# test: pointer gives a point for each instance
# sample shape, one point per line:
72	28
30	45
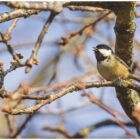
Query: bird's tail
134	77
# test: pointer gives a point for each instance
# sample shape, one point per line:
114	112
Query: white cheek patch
105	52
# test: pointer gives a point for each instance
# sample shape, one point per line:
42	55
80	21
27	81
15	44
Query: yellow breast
111	69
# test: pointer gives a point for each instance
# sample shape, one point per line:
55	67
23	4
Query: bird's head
102	52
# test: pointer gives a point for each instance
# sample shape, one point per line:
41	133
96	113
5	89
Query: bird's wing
121	61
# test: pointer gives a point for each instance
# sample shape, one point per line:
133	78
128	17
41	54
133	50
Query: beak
94	49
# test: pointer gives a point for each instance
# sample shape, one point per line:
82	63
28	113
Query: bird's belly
111	72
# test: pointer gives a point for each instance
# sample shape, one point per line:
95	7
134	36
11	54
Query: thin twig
86	8
21	128
83	133
61	112
16	56
9	31
9	123
60	130
7	35
94	100
33	58
64	40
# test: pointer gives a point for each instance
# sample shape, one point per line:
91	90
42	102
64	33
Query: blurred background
60	62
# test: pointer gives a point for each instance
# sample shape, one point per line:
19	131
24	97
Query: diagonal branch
16	56
21	128
7	35
74	87
9	31
33	58
64	41
94	100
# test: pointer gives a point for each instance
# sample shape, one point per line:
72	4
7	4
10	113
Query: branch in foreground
24	8
47	6
74	87
53	6
17	14
25	11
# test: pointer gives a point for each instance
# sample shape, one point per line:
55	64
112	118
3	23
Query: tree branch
33	58
47	6
21	128
74	87
83	133
94	100
65	41
17	14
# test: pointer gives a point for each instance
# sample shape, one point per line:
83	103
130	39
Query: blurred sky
27	30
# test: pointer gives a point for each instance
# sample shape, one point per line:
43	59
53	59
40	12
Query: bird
110	66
